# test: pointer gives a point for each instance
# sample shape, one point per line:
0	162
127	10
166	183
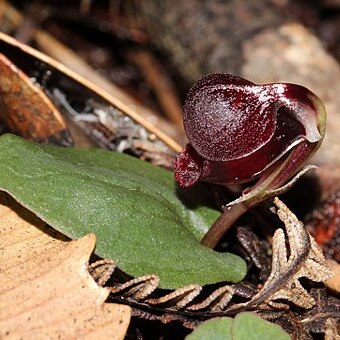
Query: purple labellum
239	131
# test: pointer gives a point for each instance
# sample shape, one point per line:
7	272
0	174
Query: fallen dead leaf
26	110
46	290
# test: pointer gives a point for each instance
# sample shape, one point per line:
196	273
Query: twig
159	81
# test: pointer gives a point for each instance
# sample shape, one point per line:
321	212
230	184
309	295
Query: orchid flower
239	132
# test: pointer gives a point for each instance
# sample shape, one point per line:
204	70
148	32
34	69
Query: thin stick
161	84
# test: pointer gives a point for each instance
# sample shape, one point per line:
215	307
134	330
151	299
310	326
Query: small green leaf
249	326
141	218
213	329
245	326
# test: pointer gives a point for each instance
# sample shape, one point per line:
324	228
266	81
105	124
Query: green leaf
141	218
249	326
245	326
213	329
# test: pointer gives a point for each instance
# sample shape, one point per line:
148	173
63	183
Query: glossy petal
220	110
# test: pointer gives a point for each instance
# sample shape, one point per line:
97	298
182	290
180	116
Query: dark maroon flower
239	131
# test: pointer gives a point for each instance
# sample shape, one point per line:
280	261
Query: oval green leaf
245	326
141	218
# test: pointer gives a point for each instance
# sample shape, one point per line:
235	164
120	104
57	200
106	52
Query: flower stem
223	223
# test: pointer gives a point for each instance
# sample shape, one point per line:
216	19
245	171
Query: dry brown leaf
26	110
334	282
305	260
46	290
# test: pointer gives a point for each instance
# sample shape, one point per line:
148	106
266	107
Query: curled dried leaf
305	260
139	288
